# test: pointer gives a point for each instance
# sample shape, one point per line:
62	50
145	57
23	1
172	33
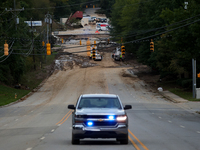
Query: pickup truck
117	53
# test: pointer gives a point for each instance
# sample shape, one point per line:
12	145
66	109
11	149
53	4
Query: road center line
134	144
138	140
67	117
182	126
64	117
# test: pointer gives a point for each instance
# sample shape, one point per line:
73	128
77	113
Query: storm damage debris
68	62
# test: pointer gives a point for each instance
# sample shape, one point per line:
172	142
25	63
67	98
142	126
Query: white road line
59	124
52	130
160	117
182	126
16	119
169	121
153	113
42	138
198	132
30	148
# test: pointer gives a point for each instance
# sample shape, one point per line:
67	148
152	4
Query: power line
163	32
61	6
155	29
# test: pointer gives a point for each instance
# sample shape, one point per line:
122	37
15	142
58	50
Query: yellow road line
63	117
138	140
66	117
134	144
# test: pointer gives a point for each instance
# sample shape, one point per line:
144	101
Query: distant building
63	20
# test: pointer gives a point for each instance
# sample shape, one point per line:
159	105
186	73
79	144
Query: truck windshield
99	103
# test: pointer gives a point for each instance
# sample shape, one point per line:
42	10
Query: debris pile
66	62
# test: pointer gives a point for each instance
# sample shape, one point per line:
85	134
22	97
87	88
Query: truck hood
100	111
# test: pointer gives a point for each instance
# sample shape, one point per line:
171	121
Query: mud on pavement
66	62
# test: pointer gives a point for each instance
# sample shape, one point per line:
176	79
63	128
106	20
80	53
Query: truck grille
103	123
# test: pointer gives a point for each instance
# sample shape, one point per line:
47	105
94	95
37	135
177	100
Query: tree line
25	43
174	27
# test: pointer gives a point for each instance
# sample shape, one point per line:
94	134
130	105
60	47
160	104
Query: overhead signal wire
163	32
3	13
13	17
133	40
156	29
61	6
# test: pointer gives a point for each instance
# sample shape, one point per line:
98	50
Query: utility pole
14	13
34	66
194	76
48	21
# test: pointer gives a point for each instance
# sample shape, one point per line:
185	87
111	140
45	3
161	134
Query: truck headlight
121	118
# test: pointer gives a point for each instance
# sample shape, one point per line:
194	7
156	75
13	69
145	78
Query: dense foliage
139	21
22	42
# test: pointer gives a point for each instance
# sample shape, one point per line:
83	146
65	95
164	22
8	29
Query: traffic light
88	47
6	49
43	44
123	50
95	43
93	53
198	75
152	46
62	41
48	45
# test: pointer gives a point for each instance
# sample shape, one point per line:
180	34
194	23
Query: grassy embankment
31	79
174	88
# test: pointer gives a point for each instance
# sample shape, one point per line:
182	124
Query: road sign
34	23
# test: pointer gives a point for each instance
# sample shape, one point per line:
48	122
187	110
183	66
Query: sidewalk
193	107
173	97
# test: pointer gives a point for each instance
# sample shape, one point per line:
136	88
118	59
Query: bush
185	83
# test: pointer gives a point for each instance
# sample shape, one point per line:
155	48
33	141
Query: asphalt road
43	122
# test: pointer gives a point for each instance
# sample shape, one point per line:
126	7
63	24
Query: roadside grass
30	79
174	88
7	94
184	94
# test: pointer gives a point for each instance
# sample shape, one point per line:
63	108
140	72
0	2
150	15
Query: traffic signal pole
194	77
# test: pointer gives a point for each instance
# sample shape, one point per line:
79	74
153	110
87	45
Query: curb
172	97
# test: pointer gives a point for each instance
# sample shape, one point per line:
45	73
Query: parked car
99	116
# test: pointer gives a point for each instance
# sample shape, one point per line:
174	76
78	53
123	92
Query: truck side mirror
71	107
128	107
